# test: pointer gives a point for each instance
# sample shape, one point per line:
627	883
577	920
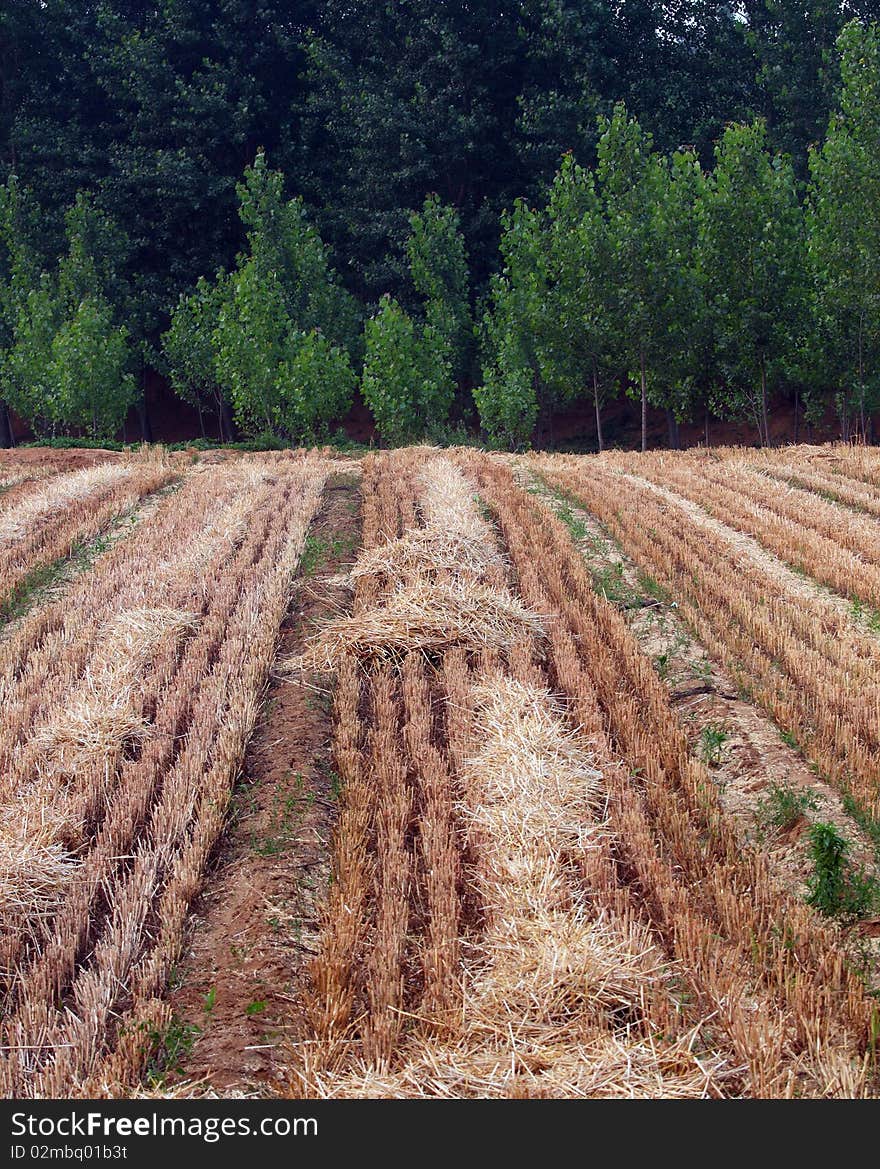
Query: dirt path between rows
236	994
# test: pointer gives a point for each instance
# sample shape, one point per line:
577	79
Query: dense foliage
413	149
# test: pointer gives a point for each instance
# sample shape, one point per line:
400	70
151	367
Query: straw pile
543	993
104	714
426	615
34	870
455	539
437	595
77	754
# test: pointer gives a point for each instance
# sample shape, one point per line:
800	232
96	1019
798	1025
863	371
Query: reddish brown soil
255	926
61	460
172	420
575	429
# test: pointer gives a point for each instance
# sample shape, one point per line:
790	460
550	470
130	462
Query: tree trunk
143	415
862	382
644	402
201	414
598	411
6	439
227	424
674	431
797	421
765	423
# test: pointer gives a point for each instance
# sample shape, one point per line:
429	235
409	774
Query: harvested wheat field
440	774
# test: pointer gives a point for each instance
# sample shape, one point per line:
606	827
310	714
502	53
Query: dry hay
545	990
426	615
103	715
542	785
225	527
34	868
88	734
438	599
455	539
58	493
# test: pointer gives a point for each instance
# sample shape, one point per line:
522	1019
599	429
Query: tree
317	384
439	269
282	380
792	44
272	337
286	247
844	236
512	391
632	182
682	348
19	271
506	398
754	258
28	384
68	362
188	349
577	343
92	386
406	379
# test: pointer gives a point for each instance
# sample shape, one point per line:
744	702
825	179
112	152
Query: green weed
169	1048
836	887
712	740
785	805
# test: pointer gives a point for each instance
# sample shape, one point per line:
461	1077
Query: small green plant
255	1008
866	614
610	584
789	739
313	554
170	1047
209	1000
712	740
702	670
574	523
836	887
287	807
336	785
785	805
661	665
653	588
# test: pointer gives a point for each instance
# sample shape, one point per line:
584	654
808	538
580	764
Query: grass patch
868	823
866	615
653	588
318	551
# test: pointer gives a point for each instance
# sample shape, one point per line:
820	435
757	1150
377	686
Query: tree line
702	288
